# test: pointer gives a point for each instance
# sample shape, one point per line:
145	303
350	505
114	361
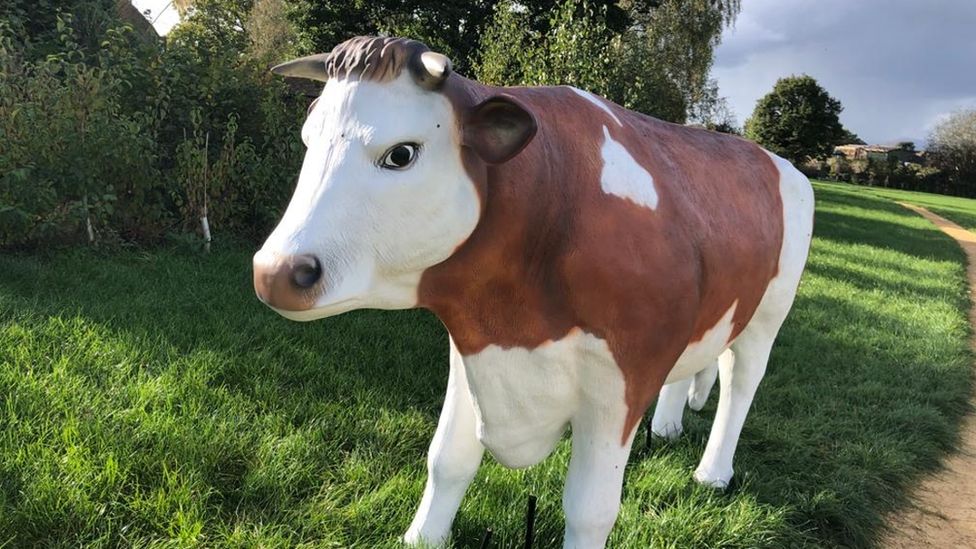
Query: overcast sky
895	65
162	12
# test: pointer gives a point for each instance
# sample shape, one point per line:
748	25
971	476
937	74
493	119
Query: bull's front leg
452	461
591	498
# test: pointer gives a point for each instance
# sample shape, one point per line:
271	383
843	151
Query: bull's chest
525	398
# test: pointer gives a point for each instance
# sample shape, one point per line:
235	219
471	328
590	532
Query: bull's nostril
306	272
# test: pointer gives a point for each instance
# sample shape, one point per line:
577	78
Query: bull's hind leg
740	372
702	385
739	377
452	461
670	408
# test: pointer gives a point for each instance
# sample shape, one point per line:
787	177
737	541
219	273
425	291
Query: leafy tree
576	50
271	34
71	155
952	146
215	25
97	123
641	55
450	27
34	23
682	33
797	120
682	36
850	138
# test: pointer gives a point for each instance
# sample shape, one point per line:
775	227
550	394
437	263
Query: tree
681	37
272	35
452	28
851	138
216	25
667	45
649	56
952	147
797	120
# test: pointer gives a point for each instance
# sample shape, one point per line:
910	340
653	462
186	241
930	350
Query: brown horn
311	67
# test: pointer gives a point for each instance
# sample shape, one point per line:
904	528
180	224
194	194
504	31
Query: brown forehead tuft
379	59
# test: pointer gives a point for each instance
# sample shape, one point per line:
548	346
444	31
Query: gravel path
943	509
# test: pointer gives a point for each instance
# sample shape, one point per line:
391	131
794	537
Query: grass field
960	210
148	399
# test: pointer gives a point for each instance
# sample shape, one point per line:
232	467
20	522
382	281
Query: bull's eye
400	156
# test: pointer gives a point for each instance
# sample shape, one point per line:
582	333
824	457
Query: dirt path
943	509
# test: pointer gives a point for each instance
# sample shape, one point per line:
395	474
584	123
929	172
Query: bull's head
387	187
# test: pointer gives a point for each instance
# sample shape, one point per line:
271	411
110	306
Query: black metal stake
649	434
530	523
486	539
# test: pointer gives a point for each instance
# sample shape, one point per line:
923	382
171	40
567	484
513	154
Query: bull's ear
499	128
311	67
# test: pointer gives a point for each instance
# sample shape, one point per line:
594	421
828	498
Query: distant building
903	152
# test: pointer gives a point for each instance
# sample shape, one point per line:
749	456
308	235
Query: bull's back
708	231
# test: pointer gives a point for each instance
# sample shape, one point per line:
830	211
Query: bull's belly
525	398
701	354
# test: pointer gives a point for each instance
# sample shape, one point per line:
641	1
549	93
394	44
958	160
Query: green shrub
98	144
67	149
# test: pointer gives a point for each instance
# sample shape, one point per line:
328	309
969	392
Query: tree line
110	134
800	121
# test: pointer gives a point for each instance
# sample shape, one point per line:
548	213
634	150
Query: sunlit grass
148	398
958	209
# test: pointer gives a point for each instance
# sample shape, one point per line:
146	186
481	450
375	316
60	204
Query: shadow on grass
350	385
190	304
854	218
866	281
958	209
858	402
849	432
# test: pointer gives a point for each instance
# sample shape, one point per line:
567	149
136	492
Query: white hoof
413	538
713	480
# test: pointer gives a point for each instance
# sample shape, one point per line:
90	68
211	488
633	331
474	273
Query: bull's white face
382	196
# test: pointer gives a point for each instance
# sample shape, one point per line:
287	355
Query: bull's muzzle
288	283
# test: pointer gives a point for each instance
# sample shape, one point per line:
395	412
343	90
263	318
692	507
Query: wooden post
206	187
88	223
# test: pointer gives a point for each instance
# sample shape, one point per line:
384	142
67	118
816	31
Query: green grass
148	399
960	210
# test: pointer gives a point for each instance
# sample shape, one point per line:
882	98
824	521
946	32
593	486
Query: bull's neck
505	284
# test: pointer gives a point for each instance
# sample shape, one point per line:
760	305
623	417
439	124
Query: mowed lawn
958	209
148	399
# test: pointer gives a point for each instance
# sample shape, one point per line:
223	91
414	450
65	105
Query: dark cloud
897	65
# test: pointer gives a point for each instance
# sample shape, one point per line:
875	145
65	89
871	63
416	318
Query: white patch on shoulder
598	102
525	398
701	354
623	176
